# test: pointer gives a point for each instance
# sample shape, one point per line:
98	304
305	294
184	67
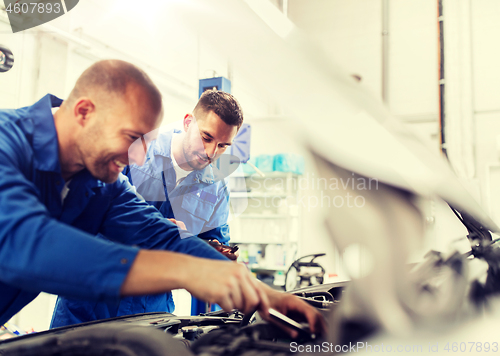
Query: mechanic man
178	159
179	171
71	224
179	180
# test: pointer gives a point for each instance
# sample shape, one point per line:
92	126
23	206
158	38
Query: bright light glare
273	17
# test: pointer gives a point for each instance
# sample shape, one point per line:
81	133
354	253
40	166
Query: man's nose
211	150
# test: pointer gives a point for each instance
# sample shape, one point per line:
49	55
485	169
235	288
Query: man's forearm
156	272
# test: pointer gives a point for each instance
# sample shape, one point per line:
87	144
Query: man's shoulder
161	145
121	183
10	117
14	129
7	115
23	123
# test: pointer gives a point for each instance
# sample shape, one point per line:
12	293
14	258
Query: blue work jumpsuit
80	249
200	200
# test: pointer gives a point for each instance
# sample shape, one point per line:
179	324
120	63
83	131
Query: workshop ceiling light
272	16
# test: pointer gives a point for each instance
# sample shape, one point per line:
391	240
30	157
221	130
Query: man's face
115	136
207	137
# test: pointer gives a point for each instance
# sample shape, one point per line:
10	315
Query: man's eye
206	139
133	138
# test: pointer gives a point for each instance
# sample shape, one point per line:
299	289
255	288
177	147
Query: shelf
273	202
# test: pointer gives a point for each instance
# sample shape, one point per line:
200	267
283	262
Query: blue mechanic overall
200	200
83	248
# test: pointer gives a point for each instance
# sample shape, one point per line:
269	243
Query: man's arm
38	253
228	284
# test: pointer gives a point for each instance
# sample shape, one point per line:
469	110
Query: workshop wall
485	85
351	34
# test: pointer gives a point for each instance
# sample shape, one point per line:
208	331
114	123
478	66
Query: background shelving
267	231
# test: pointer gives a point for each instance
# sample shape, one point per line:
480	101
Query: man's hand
225	250
230	285
180	224
296	309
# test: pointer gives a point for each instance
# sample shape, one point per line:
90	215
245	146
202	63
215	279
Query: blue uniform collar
162	147
45	145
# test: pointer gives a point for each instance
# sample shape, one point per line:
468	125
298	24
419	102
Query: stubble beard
193	160
96	163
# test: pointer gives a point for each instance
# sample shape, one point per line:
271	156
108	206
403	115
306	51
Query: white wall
17	86
350	32
486	109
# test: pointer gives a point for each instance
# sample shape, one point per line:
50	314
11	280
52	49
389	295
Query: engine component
304	273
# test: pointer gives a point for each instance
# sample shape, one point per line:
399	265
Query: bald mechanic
71	224
180	181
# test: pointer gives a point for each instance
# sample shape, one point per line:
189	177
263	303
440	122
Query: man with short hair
179	177
71	224
180	170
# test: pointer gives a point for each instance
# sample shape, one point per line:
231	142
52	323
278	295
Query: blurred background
434	65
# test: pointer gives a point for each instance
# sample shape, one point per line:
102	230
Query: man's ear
188	120
82	109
